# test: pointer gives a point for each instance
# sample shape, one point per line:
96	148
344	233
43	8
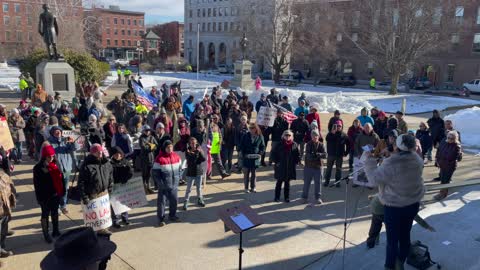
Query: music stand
240	218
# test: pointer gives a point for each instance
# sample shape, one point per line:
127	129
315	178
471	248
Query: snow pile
466	121
9	78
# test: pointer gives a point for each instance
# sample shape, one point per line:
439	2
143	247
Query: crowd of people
177	142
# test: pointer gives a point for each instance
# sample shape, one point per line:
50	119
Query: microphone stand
345	219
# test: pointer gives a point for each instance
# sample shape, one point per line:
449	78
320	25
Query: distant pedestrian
258	83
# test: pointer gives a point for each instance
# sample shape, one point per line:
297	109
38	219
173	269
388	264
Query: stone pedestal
57	77
243	75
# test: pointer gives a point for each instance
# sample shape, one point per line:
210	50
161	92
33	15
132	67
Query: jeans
217	161
170	194
446	175
227	156
350	159
240	160
3	230
50	208
338	168
198	184
17	151
286	190
66	182
308	175
375	228
398	222
301	146
429	153
116	218
249	176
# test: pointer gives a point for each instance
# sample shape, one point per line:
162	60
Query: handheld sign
96	213
126	196
266	116
5	135
77	137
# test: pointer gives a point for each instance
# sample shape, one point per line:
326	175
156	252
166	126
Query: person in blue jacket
365	118
188	108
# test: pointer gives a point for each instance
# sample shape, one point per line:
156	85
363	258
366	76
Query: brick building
457	64
19	25
171	40
121	32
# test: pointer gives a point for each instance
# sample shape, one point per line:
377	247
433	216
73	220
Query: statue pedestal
57	77
243	75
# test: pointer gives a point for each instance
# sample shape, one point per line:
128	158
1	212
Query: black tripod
345	219
240	252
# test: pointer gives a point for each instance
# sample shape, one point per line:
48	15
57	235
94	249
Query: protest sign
127	196
77	137
359	176
96	213
266	116
5	135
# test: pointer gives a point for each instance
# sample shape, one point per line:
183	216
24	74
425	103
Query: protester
302	107
194	172
123	140
167	172
300	128
303	97
367	137
353	131
109	129
425	138
262	102
380	126
39	96
148	145
273	97
315	116
96	177
240	131
437	129
49	189
188	107
400	193
216	145
122	172
8	201
314	153
402	125
449	128
334	119
365	118
252	147
286	156
374	113
16	124
280	125
228	144
64	147
286	105
338	146
246	106
449	153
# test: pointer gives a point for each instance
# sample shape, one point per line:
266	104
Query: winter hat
399	113
315	133
336	112
262	95
382	113
22	102
95	148
339	123
146	127
393	133
392	123
117	150
14	111
53	121
163	111
314	124
315	106
364	109
160	125
92	118
166	144
406	142
35	109
55	128
48	151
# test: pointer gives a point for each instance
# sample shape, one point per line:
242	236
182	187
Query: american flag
286	114
144	98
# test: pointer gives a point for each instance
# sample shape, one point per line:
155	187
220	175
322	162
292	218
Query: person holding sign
195	157
96	177
48	183
122	172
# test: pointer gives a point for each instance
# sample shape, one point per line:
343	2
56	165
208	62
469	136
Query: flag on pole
143	97
286	114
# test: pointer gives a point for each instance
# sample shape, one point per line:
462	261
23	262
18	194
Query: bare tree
395	34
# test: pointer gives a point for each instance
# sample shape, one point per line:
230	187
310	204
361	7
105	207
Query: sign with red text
96	213
77	137
126	196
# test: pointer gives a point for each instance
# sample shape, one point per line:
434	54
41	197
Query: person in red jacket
352	133
314	115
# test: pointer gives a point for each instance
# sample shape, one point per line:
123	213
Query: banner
5	136
359	176
266	116
126	196
77	137
96	213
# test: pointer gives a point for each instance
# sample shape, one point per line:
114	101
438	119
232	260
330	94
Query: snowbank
466	121
9	78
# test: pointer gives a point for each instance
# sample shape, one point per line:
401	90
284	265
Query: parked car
122	62
473	86
222	69
387	85
419	83
134	62
344	80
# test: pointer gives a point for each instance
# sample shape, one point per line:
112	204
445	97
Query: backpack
419	257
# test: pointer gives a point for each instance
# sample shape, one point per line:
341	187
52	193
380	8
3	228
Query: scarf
57	178
287	146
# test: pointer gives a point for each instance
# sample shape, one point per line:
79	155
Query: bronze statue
243	45
48	29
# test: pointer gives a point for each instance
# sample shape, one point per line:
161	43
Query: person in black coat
425	138
262	102
122	172
286	156
148	145
194	172
273	97
48	183
334	119
300	128
279	126
380	126
338	146
437	129
252	147
228	144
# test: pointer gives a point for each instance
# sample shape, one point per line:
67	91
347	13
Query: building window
214	27
209	12
214	12
203	12
476	43
339	37
190	27
123	32
225	26
140	33
198	12
128	22
122	21
232	27
355	37
203	27
437	16
115	21
348	68
30	36
6	20
455	39
134	22
396	16
18	20
140	22
7	35
356	18
19	36
478	15
108	42
116	42
28	9
123	42
108	31
17	8
129	32
450	72
190	13
220	12
227	11
115	31
129	43
208	27
5	7
459	11
219	27
135	33
107	21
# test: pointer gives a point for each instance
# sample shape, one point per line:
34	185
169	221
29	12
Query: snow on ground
9	78
466	121
347	100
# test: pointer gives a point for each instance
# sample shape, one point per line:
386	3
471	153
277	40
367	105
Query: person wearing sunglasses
448	154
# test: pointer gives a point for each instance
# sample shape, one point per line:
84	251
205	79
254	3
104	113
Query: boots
148	190
46	234
441	195
56	231
399	265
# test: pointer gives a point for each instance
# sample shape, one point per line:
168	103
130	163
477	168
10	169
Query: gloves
85	201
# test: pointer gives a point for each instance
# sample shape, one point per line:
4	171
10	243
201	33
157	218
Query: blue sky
156	11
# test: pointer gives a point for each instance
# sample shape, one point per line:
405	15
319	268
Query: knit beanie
406	142
48	151
95	148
